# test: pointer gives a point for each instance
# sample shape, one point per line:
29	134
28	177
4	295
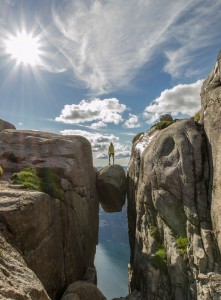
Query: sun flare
24	48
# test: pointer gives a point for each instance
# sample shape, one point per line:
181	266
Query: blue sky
104	69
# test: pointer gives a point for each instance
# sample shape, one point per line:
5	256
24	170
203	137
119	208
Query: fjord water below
111	262
112	254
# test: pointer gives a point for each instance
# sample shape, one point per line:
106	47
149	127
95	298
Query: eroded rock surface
6	125
135	295
17	281
56	236
111	185
82	290
211	118
172	250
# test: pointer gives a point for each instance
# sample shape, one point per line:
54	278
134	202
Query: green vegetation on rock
136	138
155	233
158	261
182	243
40	179
1	171
163	124
197	117
27	179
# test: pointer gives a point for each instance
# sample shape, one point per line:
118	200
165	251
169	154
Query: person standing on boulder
111	152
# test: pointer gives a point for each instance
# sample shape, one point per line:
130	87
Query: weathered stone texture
17	281
166	117
57	237
82	290
135	295
6	125
167	199
211	118
111	185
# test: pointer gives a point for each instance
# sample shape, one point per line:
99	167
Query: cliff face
17	281
174	206
211	118
57	235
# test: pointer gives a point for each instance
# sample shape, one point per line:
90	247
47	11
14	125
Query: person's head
111	144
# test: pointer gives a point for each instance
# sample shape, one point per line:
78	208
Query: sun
24	48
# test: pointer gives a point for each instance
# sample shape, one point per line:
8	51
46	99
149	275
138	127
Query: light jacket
111	150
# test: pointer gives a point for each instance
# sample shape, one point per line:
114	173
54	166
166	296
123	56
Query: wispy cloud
107	42
193	38
99	142
98	111
181	99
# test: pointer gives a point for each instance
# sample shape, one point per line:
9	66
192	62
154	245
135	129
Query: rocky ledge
56	233
174	205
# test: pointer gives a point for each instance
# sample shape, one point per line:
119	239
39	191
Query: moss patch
40	179
1	171
163	124
182	243
197	117
158	261
155	233
27	179
136	138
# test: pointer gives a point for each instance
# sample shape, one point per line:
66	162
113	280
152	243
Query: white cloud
132	122
103	111
120	151
107	42
101	142
181	99
98	125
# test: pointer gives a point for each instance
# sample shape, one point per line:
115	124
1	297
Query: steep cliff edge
173	255
174	206
17	281
211	118
57	235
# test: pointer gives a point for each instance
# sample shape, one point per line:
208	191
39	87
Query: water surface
111	262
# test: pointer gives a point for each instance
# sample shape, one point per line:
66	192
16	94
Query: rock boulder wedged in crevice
111	187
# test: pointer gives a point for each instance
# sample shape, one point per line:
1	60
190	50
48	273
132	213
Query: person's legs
109	158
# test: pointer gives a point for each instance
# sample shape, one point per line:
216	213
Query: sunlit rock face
56	235
111	186
17	281
173	253
211	119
